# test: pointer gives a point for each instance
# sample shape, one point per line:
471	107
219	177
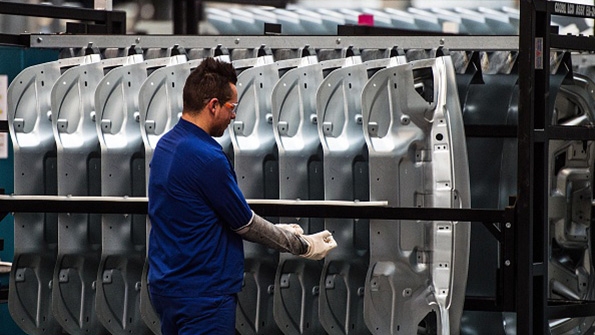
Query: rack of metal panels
523	231
325	47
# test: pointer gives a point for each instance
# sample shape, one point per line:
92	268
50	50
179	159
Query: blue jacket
195	205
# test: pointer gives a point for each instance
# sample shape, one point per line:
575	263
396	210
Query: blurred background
298	17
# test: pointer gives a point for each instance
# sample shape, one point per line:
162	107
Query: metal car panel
570	198
35	234
293	103
122	174
256	164
345	178
160	107
414	131
79	173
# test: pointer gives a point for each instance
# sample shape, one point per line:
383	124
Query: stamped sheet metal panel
300	177
122	174
36	234
255	155
570	270
414	131
160	102
570	267
256	166
160	108
79	173
345	178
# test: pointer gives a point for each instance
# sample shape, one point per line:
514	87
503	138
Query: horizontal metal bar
360	30
302	208
570	42
558	309
3	295
578	133
491	131
487	304
77	204
305	209
60	12
17	40
284	202
479	43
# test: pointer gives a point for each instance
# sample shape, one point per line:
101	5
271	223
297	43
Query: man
199	215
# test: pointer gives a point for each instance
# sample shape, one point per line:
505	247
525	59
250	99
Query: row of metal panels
386	129
323	21
250	20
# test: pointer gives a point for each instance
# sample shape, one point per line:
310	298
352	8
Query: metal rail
303	208
479	43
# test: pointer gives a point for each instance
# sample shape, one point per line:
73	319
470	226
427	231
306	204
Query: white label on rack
539	53
3	98
573	9
3	145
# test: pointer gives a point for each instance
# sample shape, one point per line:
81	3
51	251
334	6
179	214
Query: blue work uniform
195	207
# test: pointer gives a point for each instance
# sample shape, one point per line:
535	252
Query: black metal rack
533	307
92	21
498	222
522	229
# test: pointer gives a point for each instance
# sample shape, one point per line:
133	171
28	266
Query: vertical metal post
179	18
524	203
193	12
186	16
531	209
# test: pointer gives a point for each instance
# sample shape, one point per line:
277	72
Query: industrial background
448	145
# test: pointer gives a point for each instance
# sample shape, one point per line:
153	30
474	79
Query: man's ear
213	104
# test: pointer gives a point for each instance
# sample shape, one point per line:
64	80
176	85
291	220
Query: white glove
319	245
291	227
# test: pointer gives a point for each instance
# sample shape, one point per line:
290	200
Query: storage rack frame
536	40
521	229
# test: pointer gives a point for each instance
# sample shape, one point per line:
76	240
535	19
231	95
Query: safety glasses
231	105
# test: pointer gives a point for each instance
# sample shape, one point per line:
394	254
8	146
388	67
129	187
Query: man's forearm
266	233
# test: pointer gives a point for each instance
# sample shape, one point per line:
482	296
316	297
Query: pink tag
365	20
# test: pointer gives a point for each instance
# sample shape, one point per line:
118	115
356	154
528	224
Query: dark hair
210	79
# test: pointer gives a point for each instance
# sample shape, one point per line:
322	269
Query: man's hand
291	227
319	245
